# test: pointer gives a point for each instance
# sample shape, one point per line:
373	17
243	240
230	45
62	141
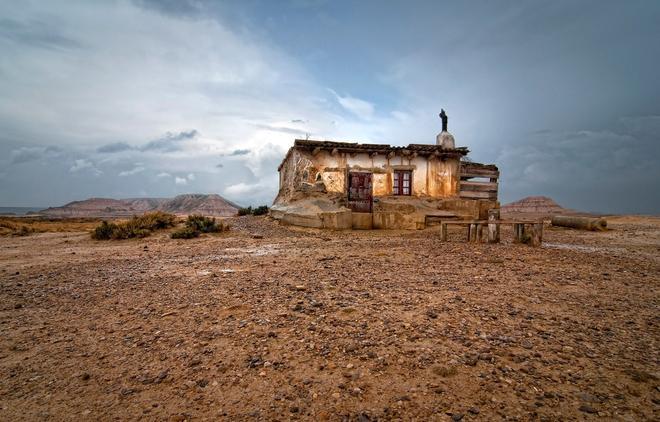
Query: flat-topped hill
211	204
537	206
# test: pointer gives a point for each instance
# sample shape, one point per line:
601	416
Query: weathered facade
344	185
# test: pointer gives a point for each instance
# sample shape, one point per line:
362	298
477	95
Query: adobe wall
302	170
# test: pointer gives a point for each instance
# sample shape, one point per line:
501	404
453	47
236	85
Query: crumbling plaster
432	176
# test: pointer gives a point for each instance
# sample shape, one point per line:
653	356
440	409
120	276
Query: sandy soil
272	323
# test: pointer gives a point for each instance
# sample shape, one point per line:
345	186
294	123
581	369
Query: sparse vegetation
136	227
260	210
205	224
24	226
198	224
8	228
104	231
185	232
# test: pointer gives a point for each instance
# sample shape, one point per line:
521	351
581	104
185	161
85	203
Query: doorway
360	196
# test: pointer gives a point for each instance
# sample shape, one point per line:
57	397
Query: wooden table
524	231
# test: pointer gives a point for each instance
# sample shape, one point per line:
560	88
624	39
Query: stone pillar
537	234
518	229
493	229
443	232
473	233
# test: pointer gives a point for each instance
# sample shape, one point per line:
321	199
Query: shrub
185	233
262	210
203	224
104	231
198	224
154	220
136	227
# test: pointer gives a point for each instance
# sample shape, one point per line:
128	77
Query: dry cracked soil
274	323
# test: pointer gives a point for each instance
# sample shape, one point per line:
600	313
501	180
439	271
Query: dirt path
270	323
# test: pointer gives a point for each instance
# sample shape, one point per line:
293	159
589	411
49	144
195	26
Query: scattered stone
161	377
255	361
587	409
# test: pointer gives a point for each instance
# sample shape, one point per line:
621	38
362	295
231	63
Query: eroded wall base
411	213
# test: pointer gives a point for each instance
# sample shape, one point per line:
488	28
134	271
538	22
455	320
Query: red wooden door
360	197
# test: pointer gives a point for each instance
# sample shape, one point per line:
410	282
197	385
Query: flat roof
420	149
357	147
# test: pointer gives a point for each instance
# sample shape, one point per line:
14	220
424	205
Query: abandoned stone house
342	185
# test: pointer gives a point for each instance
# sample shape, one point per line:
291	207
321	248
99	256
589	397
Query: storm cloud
154	98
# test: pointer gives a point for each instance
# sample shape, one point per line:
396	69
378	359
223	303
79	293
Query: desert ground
275	323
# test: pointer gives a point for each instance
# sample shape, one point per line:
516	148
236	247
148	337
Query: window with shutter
402	182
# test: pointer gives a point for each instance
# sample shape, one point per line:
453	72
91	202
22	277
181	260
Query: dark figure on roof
444	118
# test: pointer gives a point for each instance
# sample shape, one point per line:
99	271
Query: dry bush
260	210
206	224
23	226
136	227
8	228
198	224
185	232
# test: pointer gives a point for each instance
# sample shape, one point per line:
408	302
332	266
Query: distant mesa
537	206
211	205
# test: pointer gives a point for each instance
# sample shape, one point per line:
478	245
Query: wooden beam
486	175
478	186
335	151
478	195
390	155
316	150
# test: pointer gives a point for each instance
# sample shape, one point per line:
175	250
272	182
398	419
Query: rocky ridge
212	204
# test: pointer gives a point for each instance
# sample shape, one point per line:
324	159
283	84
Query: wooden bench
524	231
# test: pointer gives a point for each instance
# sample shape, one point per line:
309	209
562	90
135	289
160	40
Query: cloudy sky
156	98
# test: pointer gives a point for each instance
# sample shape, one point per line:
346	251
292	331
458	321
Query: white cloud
84	164
241	189
135	170
361	108
172	99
